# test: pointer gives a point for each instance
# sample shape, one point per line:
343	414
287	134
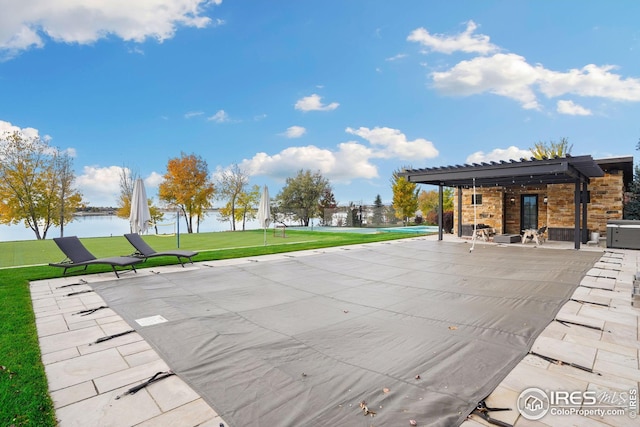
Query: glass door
529	212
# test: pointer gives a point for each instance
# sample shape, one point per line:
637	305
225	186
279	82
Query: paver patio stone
91	347
84	368
69	339
564	351
603	378
191	414
105	411
171	393
134	347
140	358
589	342
581	319
81	325
128	375
73	394
51	325
57	356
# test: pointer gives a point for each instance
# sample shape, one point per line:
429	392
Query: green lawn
24	400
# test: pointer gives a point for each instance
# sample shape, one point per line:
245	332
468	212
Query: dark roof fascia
524	172
625	164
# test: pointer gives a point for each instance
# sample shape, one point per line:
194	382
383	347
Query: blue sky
354	89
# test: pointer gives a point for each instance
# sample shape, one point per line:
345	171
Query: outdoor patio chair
144	251
79	256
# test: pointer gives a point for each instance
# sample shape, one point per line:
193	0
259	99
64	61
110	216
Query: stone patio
597	330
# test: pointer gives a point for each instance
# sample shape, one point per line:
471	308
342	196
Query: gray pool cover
418	329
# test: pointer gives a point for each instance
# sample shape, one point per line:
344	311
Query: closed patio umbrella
140	217
264	212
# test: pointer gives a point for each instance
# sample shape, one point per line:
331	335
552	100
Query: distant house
572	195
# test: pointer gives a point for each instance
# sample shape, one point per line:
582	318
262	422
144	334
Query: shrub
447	221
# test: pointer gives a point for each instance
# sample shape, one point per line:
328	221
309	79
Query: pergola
559	170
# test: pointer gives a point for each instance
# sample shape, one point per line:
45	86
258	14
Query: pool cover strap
482	410
157	377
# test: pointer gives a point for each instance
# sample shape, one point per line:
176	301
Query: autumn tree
127	182
68	199
301	194
36	184
429	203
187	186
549	150
231	184
247	205
405	196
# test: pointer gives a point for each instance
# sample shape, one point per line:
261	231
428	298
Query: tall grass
24	399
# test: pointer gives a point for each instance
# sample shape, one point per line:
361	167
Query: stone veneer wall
512	217
559	212
489	212
607	195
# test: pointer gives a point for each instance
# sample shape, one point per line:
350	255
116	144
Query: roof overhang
624	164
531	172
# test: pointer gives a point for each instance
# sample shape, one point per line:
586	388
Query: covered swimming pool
414	229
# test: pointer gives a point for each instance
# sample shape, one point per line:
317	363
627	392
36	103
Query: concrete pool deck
85	379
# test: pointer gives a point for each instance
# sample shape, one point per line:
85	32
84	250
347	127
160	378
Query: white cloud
294	132
153	180
7	128
570	108
498	154
394	144
465	41
502	74
100	186
220	117
192	114
27	24
511	76
314	103
592	81
350	161
396	57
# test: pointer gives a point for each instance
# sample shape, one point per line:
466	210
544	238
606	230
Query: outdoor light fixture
513	200
545	200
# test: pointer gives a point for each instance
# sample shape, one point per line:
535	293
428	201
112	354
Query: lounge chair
144	251
79	256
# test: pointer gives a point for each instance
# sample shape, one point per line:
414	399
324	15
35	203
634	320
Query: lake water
111	225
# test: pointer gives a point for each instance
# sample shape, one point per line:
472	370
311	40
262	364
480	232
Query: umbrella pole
265	236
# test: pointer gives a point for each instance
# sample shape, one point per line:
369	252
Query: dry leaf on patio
366	410
453	328
386	390
413	422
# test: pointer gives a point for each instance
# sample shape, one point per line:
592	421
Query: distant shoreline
101	213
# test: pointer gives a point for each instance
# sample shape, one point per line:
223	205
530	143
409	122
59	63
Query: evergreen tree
378	216
632	207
